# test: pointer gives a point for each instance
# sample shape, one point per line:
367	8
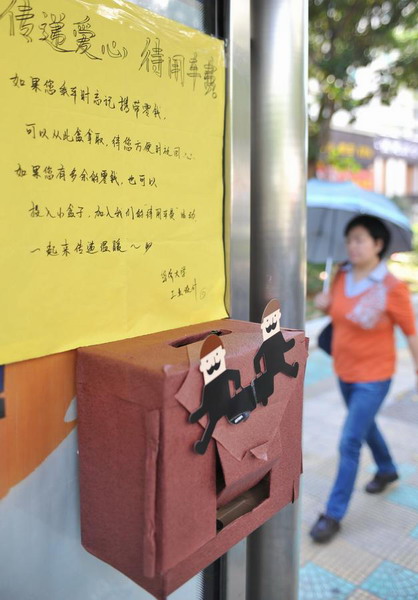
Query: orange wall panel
37	395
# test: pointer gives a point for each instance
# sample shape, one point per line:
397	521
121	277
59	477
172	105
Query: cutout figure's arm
289	344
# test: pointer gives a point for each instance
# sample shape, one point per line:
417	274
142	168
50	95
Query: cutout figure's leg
241	405
263	388
243	401
201	446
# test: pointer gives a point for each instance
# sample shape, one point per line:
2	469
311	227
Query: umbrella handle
328	270
329	261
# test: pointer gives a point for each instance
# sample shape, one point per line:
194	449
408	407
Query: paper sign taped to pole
112	192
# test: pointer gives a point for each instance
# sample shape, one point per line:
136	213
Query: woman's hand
322	301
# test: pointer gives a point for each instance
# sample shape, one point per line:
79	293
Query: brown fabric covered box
150	506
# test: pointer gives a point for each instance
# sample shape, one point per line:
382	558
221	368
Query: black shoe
324	529
380	481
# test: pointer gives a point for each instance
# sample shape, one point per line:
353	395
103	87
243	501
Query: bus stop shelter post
278	233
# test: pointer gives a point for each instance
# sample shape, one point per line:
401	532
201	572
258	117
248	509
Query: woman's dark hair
374	226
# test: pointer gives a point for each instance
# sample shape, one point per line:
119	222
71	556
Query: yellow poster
111	175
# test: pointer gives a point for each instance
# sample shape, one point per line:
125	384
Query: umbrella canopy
332	205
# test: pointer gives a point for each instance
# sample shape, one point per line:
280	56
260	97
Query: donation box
189	440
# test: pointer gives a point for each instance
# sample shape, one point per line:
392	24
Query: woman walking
365	303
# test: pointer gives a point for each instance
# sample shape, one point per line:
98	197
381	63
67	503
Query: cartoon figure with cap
216	397
272	350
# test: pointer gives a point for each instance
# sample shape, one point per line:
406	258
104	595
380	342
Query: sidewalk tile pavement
375	555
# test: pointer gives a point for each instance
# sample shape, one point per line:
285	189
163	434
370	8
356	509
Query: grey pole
278	178
238	157
229	571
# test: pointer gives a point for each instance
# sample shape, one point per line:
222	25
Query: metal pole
278	256
229	571
238	157
237	220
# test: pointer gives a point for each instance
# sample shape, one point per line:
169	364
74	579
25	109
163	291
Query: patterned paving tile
403	451
375	556
308	550
347	561
310	509
313	462
406	470
364	531
316	485
319	584
401	438
405	554
387	513
403	409
362	595
413	479
318	368
406	495
392	582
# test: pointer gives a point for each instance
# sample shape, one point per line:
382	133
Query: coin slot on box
198	337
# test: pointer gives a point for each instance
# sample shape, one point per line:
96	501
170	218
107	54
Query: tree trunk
319	141
312	168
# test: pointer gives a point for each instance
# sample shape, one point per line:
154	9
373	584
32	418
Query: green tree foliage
345	35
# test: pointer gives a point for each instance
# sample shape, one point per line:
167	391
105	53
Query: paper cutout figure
272	350
216	396
217	401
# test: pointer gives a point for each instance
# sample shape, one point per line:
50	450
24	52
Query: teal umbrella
332	205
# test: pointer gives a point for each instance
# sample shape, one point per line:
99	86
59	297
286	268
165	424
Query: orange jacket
363	343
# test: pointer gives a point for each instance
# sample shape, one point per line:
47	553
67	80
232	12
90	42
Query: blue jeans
363	401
